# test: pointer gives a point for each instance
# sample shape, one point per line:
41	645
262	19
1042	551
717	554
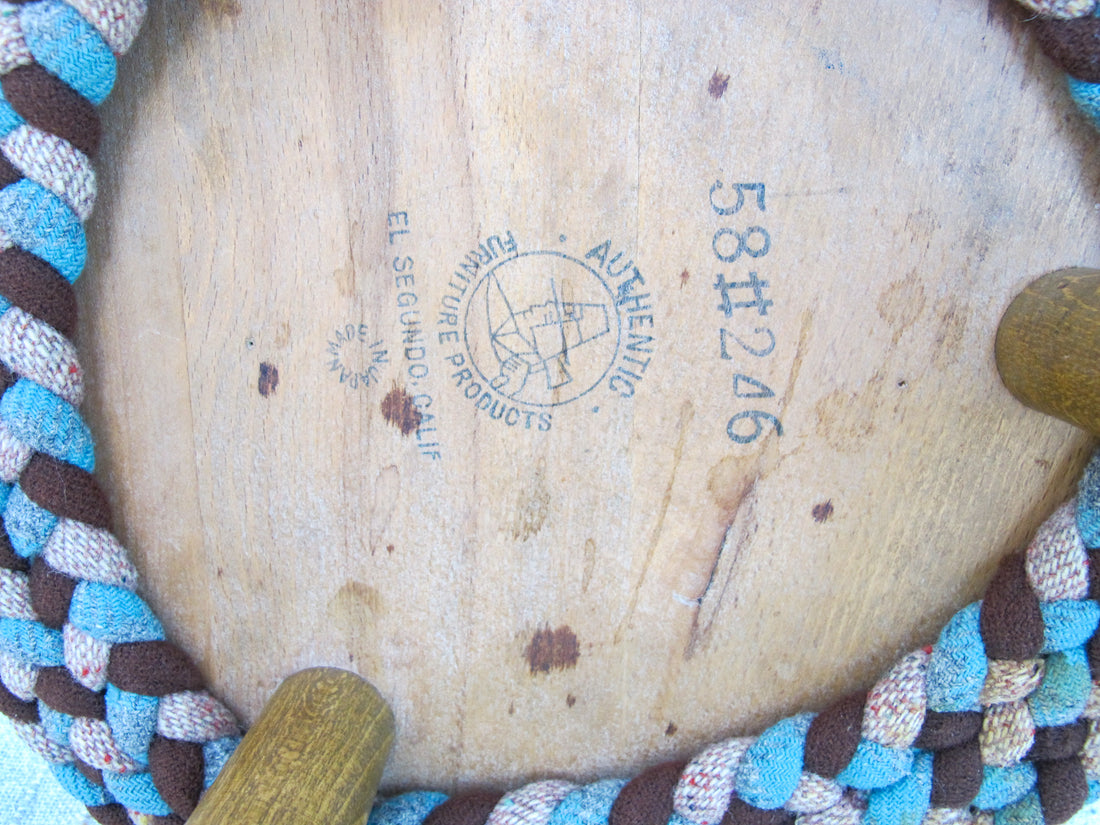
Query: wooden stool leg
1048	346
315	755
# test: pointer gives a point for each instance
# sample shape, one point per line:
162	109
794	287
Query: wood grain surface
612	571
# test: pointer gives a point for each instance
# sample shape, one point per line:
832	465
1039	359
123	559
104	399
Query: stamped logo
541	328
533	330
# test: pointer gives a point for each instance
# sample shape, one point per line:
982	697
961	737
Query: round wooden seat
597	379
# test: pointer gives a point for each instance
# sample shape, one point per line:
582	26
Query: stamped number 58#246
740	243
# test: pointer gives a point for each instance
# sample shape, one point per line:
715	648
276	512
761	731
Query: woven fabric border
998	722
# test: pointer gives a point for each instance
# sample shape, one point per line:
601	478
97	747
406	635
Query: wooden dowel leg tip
315	755
1048	346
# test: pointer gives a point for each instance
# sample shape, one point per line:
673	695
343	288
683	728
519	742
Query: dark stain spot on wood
684	278
511	708
718	84
220	572
570	700
269	379
398	408
389	548
552	650
822	511
671	729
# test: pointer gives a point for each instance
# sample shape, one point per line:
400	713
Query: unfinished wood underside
438	341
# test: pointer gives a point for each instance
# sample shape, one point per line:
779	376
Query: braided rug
997	723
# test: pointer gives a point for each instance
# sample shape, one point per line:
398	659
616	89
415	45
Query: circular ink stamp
541	328
534	330
355	356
